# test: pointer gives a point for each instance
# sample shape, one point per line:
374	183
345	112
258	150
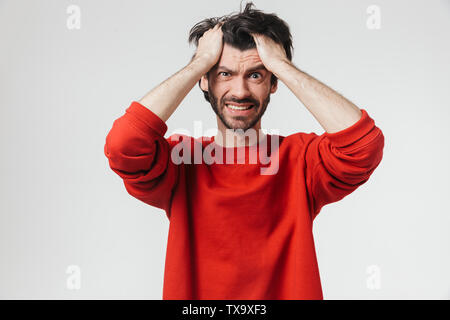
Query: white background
61	90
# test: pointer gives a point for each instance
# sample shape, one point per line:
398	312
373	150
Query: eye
220	73
259	75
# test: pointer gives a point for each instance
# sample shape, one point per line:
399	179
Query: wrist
203	61
279	67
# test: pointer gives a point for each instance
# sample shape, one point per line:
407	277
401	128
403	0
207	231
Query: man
236	233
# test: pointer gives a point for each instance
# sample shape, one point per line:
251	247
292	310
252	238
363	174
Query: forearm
166	97
331	110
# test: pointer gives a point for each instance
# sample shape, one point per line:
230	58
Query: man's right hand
210	45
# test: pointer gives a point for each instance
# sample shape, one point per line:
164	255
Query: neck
236	138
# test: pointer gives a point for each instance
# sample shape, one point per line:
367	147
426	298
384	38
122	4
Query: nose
239	89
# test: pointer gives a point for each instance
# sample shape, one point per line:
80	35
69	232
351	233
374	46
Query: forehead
237	59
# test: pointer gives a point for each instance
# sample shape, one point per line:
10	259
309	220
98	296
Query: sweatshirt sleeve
338	163
138	152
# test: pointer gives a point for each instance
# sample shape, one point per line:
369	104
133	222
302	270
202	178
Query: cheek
262	91
218	91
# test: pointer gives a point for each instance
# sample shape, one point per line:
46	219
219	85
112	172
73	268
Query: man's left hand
272	54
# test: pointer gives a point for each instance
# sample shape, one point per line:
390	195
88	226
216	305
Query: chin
244	126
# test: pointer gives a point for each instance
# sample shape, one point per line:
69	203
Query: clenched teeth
238	107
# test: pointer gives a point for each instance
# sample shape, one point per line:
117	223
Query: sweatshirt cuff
353	133
145	118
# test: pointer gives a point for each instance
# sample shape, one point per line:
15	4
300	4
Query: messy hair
237	29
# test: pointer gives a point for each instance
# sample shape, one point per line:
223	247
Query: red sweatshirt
235	233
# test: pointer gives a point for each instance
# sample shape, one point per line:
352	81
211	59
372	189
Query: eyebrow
255	68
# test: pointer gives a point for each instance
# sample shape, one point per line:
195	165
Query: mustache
240	101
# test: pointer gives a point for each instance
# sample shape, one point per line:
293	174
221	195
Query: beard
238	122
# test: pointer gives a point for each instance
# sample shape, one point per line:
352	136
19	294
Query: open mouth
239	108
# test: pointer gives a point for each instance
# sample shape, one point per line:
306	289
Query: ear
204	82
274	87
